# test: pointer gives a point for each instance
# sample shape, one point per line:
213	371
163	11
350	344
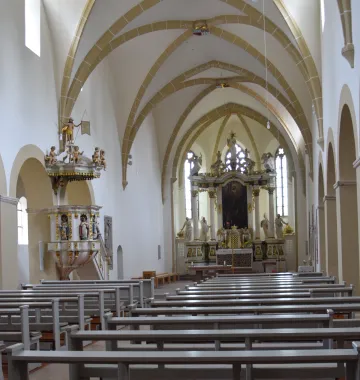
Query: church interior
187	214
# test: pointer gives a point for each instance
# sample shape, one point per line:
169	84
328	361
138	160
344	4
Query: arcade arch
346	202
330	216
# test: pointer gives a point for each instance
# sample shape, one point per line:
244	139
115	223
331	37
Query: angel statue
50	158
218	166
197	162
268	161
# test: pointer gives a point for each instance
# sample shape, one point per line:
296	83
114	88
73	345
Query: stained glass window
281	183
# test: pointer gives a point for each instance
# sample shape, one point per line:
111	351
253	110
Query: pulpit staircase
98	268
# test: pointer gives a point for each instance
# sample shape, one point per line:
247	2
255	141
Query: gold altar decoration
288	230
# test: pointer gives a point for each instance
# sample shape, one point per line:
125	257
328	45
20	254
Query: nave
224	327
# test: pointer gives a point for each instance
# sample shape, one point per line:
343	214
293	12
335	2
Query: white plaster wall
29	107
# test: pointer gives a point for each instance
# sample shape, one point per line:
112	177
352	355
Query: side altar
232	236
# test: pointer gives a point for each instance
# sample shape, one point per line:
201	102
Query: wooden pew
300	281
340	290
218	322
235	296
254	287
346	309
278	274
147	284
255	301
39	307
129	294
20	358
217	337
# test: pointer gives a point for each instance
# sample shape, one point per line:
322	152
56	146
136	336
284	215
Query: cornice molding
329	198
338	184
9	200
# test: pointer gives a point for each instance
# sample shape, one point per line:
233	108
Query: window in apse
22	221
187	167
32	25
281	183
239	160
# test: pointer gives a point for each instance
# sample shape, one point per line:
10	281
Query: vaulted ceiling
161	68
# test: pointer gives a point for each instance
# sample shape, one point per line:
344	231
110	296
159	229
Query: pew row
254	301
346	309
218	322
123	363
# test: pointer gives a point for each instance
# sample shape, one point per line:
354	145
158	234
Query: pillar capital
256	192
212	193
194	193
271	190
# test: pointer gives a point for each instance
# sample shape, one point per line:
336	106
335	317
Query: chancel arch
346	202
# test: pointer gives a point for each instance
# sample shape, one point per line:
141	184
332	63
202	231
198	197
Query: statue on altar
231	143
246	237
204	229
195	162
279	223
84	228
218	167
68	131
268	161
265	226
188	230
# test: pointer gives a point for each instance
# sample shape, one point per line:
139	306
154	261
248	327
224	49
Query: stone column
256	193
219	208
250	207
331	235
194	210
347	227
212	196
8	243
271	212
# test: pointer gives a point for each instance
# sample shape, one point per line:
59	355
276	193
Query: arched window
239	160
281	183
22	220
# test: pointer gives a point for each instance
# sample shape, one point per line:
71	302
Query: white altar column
219	208
194	210
271	212
256	193
250	207
212	196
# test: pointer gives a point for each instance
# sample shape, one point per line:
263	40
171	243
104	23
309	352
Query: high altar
234	191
